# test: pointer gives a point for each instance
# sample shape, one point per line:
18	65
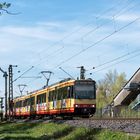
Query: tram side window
41	98
32	100
25	102
18	104
70	92
64	92
48	96
38	99
28	102
22	103
51	95
59	92
54	95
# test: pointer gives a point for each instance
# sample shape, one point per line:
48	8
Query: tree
3	8
109	87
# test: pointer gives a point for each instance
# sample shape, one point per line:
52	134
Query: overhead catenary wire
52	54
66	72
77	30
93	30
115	59
80	28
99	41
23	74
117	62
113	17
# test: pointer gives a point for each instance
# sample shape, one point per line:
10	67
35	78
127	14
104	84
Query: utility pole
5	75
10	69
1	108
82	72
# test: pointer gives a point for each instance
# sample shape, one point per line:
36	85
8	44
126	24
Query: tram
66	98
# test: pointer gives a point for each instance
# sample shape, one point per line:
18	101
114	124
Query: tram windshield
85	91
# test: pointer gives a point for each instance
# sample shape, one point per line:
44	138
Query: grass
54	131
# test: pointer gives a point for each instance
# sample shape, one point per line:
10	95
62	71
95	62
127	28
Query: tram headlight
92	105
76	105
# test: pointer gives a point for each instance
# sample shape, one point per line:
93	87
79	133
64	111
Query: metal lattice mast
10	90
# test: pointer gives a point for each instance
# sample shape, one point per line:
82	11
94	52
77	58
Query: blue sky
48	34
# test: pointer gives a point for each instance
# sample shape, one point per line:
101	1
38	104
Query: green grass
52	131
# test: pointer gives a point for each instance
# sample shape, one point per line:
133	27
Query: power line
52	54
23	74
75	31
66	72
92	29
96	42
117	63
98	27
113	60
80	28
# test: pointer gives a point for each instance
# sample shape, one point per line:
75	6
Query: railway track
128	125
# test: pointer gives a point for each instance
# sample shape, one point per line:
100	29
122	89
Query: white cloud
127	17
31	32
50	24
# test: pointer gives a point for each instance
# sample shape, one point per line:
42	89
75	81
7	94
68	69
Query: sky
49	34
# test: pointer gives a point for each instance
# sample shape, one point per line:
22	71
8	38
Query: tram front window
84	92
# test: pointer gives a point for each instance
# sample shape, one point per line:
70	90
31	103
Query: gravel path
129	126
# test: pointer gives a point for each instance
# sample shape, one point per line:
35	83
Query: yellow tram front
84	97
